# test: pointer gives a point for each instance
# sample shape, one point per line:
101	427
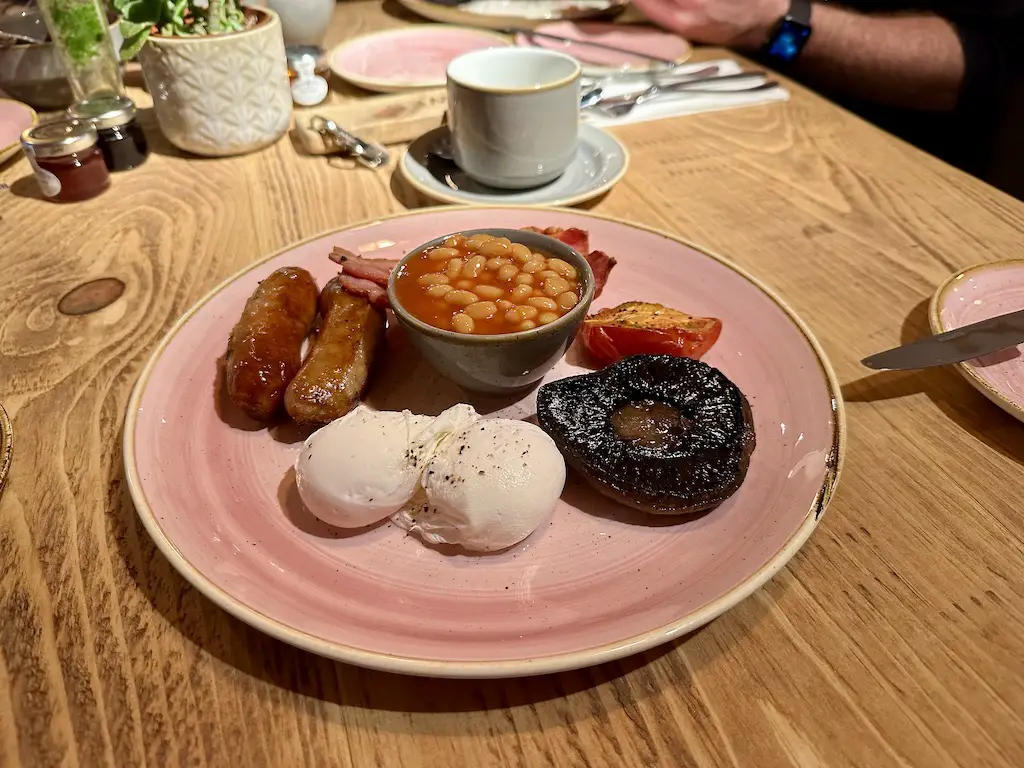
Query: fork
626	107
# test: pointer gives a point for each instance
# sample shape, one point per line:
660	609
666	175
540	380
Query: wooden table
895	637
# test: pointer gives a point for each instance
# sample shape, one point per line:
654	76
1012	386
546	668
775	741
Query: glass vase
82	35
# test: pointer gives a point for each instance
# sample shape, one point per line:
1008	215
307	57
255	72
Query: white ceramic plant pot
220	95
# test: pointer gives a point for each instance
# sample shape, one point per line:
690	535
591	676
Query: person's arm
908	60
915	61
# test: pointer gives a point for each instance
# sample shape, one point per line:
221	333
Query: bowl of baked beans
493	309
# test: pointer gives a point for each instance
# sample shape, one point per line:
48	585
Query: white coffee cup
513	114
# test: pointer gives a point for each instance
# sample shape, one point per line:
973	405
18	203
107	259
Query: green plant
80	26
141	18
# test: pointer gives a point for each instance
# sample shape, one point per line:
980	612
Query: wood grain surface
894	638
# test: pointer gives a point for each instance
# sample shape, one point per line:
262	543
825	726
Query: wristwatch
790	35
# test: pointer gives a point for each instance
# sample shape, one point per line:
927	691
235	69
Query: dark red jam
79	176
67	160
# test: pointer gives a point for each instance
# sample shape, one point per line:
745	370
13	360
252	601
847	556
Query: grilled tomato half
640	328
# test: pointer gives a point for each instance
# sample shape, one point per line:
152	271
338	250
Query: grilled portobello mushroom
662	434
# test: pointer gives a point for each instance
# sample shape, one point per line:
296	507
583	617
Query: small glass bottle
80	29
67	160
120	136
297	55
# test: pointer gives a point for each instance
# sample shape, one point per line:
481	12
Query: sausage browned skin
265	347
335	373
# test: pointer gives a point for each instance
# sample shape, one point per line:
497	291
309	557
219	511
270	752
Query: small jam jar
67	160
121	138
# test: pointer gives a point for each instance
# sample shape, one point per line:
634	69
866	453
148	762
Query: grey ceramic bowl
33	72
499	363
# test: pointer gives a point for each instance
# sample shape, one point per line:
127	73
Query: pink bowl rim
17	142
489	669
966	369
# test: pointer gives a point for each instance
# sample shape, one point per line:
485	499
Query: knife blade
569	41
956	346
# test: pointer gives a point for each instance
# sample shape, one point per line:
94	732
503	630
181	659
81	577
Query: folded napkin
682	102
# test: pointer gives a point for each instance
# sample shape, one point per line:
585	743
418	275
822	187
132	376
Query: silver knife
644	82
956	346
569	41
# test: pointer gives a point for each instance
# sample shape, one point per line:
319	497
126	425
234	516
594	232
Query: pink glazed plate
976	294
407	59
600	582
15	117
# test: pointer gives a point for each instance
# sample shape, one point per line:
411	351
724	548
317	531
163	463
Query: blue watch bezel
787	39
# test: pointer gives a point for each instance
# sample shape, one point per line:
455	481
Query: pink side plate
598	583
15	117
976	294
649	40
408	58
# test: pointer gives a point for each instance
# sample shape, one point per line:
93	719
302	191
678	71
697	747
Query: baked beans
484	285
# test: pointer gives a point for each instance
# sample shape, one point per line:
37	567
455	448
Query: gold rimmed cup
513	114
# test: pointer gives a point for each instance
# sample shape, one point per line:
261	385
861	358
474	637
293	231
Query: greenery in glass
141	18
79	27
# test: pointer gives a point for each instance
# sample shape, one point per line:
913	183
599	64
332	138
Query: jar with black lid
120	136
66	159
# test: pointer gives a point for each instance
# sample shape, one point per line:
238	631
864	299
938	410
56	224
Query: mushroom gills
650	423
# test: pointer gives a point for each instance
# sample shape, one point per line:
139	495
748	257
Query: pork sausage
265	347
335	373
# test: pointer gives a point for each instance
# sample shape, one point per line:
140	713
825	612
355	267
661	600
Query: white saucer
600	162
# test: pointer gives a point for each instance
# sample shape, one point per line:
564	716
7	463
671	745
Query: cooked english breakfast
654	428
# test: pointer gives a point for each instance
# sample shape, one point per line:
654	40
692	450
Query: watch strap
800	12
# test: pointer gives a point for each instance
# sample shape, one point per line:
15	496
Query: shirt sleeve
993	45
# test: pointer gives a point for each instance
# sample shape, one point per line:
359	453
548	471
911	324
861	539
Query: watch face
788	40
